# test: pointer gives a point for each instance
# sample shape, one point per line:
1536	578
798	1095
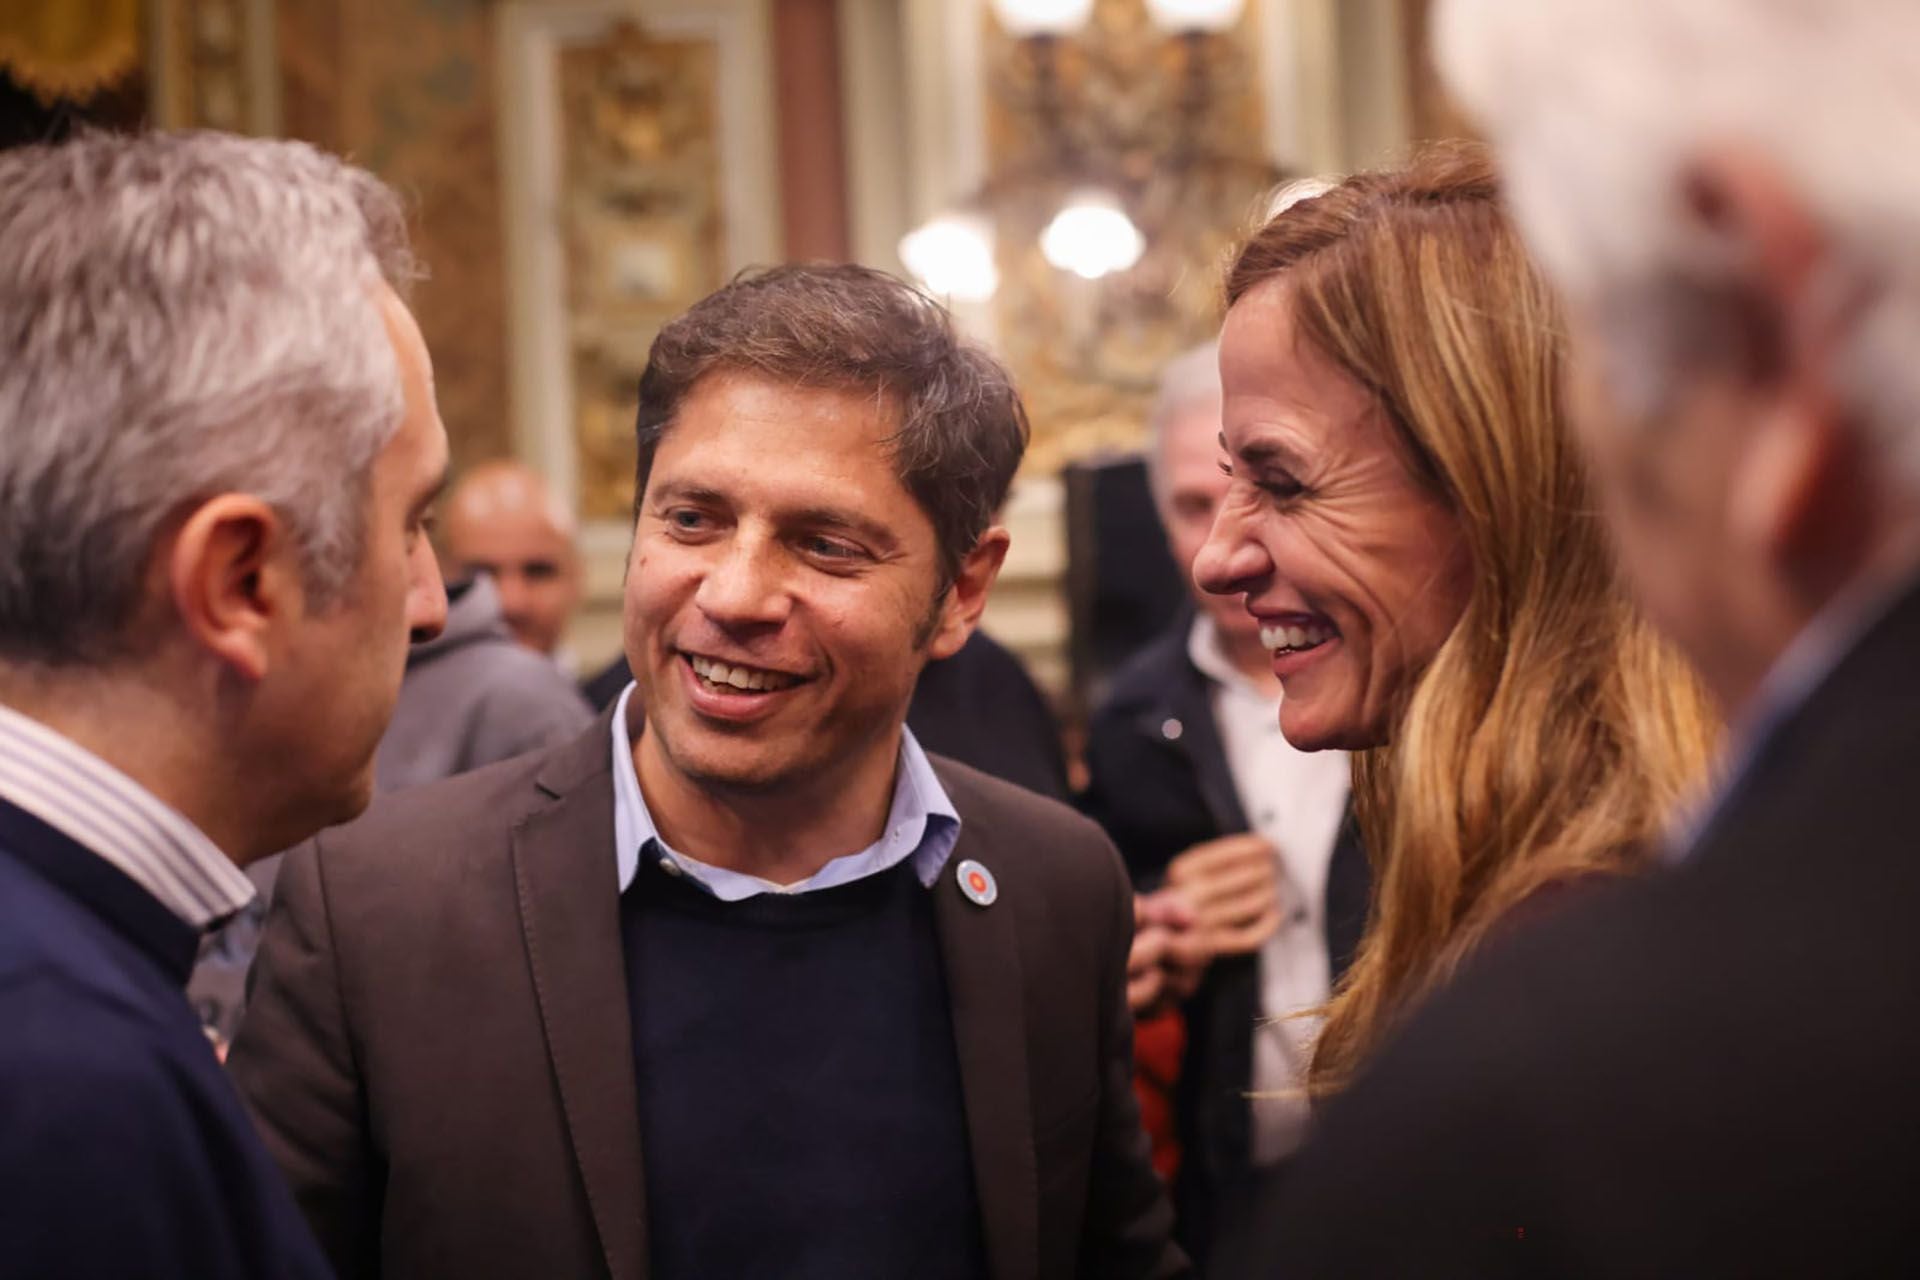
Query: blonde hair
1553	732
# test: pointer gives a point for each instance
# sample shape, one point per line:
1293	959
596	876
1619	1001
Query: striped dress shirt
76	792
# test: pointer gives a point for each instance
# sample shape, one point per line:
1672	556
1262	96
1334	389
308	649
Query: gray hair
1191	380
1598	107
182	315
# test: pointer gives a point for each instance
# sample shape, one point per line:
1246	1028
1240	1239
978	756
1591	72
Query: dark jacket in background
439	1049
979	707
1160	784
1708	1071
124	1150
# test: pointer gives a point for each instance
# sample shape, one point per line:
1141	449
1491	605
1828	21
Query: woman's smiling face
1355	568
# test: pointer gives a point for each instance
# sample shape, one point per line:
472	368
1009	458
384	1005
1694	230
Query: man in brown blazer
739	983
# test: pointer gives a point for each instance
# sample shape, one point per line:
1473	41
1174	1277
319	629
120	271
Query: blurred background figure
472	696
982	708
502	520
1190	775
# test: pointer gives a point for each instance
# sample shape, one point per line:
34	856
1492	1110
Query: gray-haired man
1712	1071
218	442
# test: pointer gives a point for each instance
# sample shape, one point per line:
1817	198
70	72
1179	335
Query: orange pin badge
977	883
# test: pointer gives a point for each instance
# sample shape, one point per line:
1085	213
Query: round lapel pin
977	883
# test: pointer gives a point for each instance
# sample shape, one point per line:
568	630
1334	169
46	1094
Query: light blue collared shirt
921	824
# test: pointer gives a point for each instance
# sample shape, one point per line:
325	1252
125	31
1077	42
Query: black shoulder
1039	840
125	1158
1143	679
986	800
86	1079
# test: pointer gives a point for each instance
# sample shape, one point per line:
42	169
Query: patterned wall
642	223
1172	126
407	88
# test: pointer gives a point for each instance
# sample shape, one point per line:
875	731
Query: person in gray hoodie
471	696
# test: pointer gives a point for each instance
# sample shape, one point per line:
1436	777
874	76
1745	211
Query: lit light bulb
1042	17
1181	16
1092	237
953	257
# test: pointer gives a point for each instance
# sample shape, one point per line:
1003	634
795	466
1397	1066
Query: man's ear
1796	494
967	597
1802	499
232	580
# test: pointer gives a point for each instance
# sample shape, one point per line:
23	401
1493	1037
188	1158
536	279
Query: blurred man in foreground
1708	1072
214	555
740	982
503	521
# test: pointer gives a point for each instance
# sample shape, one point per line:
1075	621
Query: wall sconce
1063	17
1023	18
953	257
1092	237
1184	16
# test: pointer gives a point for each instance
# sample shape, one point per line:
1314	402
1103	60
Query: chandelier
1120	130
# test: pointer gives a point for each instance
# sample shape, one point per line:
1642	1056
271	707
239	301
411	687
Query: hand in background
1169	955
1233	886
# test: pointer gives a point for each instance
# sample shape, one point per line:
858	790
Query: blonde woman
1410	525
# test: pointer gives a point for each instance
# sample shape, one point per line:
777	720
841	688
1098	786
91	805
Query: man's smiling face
781	589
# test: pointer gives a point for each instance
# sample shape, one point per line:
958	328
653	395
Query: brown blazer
438	1050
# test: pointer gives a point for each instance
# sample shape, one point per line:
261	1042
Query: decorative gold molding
214	65
640	204
1087	353
57	49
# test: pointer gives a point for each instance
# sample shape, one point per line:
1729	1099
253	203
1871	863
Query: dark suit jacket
438	1048
979	707
1711	1071
1160	784
124	1150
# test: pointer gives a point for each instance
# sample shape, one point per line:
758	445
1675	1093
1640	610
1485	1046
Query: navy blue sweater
124	1151
800	1104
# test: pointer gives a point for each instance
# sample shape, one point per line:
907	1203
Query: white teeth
738	677
1277	638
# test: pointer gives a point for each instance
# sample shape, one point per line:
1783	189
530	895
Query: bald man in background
503	520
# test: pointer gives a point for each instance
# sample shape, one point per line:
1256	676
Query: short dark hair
961	428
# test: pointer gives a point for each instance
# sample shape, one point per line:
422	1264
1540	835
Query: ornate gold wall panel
56	49
406	87
640	184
